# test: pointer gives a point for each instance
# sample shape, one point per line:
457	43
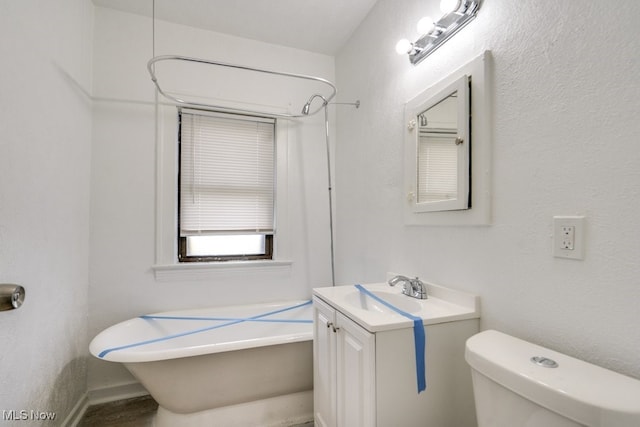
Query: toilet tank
511	390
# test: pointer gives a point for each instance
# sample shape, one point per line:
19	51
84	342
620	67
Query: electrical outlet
568	237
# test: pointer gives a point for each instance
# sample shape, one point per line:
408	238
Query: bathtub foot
288	410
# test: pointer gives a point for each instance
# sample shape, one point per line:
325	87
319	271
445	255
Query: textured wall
45	122
565	142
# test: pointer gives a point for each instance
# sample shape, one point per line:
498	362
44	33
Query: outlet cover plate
568	237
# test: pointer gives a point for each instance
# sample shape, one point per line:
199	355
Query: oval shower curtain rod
182	102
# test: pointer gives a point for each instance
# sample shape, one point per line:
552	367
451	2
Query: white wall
45	121
565	141
122	281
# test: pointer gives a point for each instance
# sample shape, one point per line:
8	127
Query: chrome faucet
414	288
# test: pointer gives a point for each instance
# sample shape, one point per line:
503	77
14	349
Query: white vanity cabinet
344	374
365	372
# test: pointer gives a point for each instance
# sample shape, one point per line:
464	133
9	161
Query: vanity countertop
442	305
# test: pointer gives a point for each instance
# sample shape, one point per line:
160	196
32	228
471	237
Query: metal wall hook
11	296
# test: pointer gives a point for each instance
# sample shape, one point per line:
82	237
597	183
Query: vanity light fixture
457	14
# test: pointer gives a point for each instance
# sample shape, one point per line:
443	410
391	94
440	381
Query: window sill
218	270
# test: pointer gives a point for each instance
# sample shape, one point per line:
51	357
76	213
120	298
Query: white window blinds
226	174
437	167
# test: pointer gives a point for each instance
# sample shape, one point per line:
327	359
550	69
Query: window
226	187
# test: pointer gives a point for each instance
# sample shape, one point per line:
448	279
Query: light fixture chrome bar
444	29
211	107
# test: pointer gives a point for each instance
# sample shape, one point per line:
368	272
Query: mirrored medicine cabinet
447	154
441	133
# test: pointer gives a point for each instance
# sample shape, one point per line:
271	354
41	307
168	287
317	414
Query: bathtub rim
136	355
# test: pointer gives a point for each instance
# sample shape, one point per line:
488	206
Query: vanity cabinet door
355	368
343	370
324	364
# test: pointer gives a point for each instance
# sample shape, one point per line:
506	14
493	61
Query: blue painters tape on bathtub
103	353
419	337
225	319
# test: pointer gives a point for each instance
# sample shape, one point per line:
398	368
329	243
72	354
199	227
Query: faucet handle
418	288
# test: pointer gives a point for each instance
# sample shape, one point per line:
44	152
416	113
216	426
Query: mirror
442	150
447	149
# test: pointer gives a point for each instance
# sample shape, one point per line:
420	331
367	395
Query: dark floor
135	412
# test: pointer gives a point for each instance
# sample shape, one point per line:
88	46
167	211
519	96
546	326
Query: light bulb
404	46
425	25
448	6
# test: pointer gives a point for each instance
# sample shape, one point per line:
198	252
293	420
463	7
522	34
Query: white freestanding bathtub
229	366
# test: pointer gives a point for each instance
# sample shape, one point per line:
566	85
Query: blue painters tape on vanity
103	353
419	337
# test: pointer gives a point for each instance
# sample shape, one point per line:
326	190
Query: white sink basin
364	302
442	305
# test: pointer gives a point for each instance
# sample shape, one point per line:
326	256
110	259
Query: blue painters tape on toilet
103	353
419	337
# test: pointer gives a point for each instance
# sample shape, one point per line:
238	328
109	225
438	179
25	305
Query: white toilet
512	389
